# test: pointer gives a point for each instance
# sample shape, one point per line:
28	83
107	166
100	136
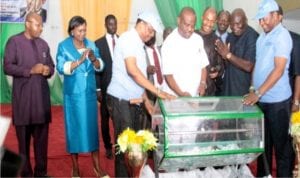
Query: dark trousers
277	118
124	115
105	121
39	132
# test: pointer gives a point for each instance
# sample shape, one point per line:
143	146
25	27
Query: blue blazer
83	77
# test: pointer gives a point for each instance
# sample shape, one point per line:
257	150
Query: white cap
265	7
152	19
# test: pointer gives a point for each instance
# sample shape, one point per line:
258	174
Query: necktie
113	41
157	66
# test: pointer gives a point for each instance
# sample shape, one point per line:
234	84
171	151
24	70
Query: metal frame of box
188	160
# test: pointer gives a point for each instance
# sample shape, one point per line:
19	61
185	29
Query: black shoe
109	154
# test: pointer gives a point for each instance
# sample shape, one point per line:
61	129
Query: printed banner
15	11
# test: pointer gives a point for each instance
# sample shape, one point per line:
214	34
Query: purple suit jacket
31	95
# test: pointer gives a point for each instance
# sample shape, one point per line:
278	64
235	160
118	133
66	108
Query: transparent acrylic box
198	132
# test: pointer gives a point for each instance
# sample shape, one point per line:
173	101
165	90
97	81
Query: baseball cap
265	7
152	19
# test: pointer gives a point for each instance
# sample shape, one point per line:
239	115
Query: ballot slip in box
198	132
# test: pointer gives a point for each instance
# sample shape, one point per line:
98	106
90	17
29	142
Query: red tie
113	41
157	66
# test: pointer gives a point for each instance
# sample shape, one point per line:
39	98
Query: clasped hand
91	55
88	53
40	69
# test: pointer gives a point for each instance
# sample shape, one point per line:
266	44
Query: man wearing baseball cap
126	94
272	89
152	19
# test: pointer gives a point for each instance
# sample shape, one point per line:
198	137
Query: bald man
238	54
215	68
184	59
27	59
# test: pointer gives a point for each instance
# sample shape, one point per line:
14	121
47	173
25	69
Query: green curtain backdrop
56	91
169	9
7	30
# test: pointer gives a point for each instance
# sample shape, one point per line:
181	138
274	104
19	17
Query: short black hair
139	21
280	10
110	16
75	22
224	11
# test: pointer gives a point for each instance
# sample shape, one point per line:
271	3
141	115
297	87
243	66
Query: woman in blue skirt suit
77	60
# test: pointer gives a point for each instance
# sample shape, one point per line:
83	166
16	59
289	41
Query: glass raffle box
198	132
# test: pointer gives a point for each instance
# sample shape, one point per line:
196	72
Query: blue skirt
81	122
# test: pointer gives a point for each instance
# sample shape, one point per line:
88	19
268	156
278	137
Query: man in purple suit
27	59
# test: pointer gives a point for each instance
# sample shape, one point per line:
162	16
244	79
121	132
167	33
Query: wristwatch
258	94
251	89
228	55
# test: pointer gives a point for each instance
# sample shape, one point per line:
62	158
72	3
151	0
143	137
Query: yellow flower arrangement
129	139
295	124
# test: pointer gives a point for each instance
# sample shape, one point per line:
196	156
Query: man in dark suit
294	71
106	45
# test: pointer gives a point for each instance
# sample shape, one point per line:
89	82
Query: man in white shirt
184	58
126	97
